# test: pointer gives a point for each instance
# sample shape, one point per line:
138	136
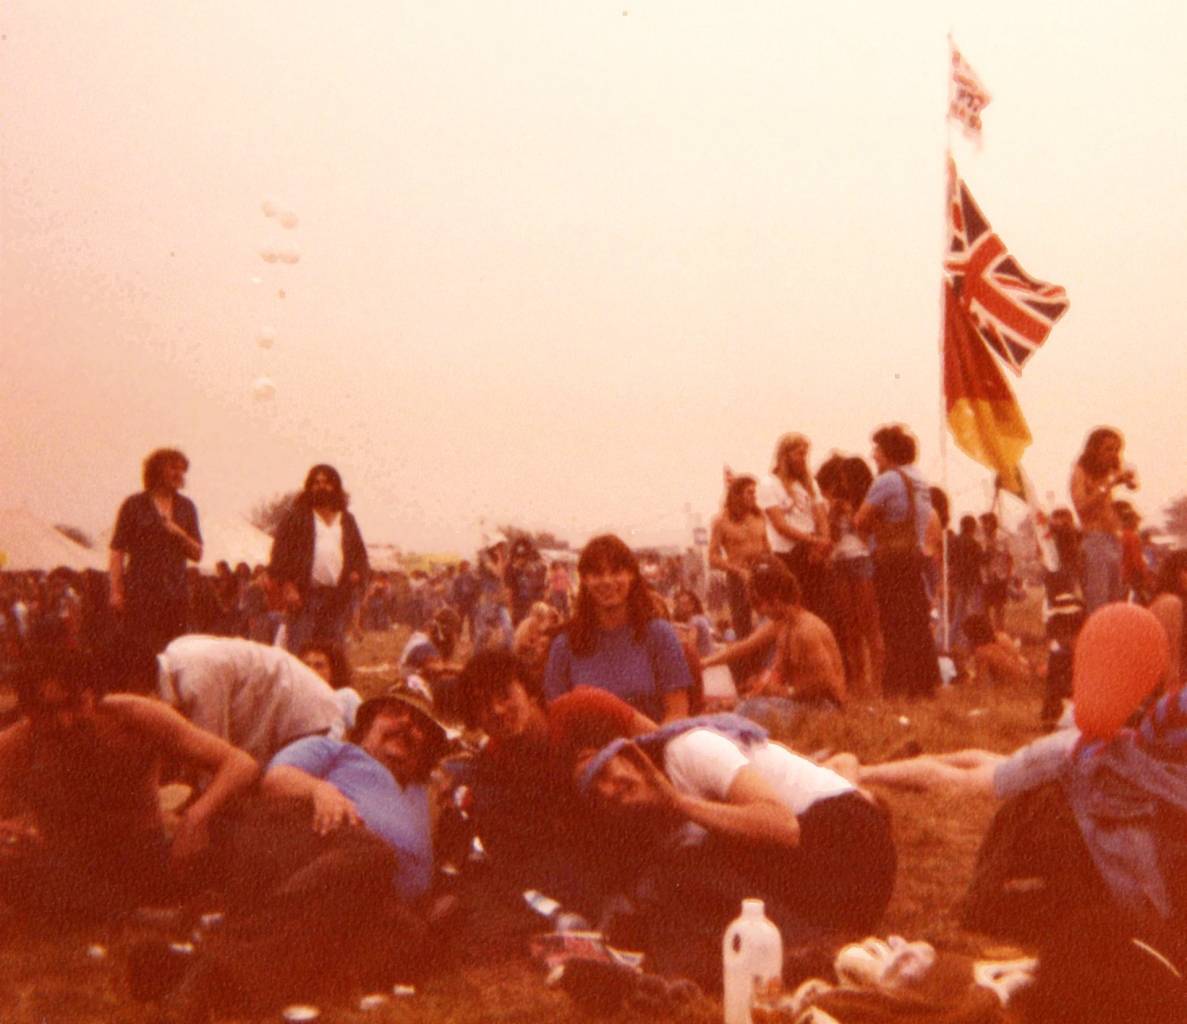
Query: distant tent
232	540
27	543
384	558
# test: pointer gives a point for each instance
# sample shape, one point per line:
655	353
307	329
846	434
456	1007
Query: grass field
47	976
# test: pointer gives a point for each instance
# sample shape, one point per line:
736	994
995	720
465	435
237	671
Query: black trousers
306	914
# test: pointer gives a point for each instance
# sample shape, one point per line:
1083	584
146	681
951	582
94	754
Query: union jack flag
1011	311
967	97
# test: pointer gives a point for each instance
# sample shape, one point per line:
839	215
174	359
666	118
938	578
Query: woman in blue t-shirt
615	641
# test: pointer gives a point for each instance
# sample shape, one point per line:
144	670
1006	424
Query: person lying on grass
79	773
1119	645
536	835
728	814
329	873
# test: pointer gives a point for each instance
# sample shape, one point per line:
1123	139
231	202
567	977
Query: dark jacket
292	550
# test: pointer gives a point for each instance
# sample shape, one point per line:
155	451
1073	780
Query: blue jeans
739	602
966	600
322	616
1102	569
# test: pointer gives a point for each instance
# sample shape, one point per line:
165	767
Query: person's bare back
808	661
96	788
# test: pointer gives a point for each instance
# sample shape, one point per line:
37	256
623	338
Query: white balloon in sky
269	255
263	390
270	207
267	337
289	220
289	256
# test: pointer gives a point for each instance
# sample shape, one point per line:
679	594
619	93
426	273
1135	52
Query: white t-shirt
703	763
257	697
327	551
796	505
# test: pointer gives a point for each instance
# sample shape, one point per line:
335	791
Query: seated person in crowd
533	636
329	872
617	639
426	664
995	657
258	698
689	613
79	776
535	834
807	669
329	661
729	814
1168	606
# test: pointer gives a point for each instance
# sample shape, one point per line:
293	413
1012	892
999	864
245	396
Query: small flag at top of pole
967	96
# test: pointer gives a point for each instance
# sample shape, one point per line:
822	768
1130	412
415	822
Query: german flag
983	413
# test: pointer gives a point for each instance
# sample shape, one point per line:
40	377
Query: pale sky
561	261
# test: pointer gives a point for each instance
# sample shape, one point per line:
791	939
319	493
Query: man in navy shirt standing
156	533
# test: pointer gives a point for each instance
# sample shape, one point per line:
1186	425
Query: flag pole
945	624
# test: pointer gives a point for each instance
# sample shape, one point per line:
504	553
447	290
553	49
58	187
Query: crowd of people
574	747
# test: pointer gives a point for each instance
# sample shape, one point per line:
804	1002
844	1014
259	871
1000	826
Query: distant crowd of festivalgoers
868	564
576	751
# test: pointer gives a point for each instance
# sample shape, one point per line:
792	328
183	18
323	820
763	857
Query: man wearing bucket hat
376	778
329	872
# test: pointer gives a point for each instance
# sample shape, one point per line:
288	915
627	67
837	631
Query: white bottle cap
753	908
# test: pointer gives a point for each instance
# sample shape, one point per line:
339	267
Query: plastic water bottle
751	958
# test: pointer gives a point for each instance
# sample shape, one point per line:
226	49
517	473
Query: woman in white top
779	826
797	524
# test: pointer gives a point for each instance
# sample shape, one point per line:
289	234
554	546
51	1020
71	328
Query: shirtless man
808	665
80	820
738	537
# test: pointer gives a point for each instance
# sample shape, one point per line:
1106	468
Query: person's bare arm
820	515
675	705
331	808
751	810
233	771
718	559
760	639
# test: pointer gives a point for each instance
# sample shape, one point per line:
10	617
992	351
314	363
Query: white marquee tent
28	543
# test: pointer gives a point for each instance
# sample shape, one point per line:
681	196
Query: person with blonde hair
533	636
1097	474
797	522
